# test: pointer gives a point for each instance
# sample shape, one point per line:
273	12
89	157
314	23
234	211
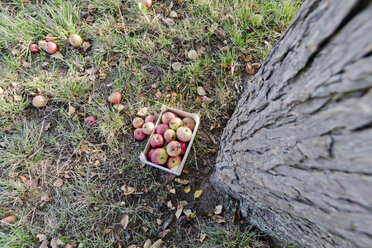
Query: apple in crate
169	135
150	118
174	148
161	128
156	141
183	147
148	127
138	122
139	134
149	153
167	116
174	162
175	123
189	122
159	156
184	134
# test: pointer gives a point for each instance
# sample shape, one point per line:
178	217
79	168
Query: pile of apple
170	140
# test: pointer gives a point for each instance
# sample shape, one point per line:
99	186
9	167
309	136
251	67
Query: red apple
90	121
161	128
138	122
192	54
174	148
159	156
174	162
189	122
156	140
175	123
34	48
92	9
149	153
150	118
148	3
184	134
51	47
39	101
169	135
75	40
115	97
148	127
50	37
139	134
167	116
183	147
42	43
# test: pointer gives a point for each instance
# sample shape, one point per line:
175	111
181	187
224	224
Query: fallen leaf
229	18
55	242
41	237
183	203
201	91
169	22
23	179
142	112
173	14
127	190
179	211
32	183
198	193
256	65
58	183
71	110
147	243
163	233
237	217
119	107
226	65
170	205
91	71
145	228
248	58
249	68
202	237
159	222
85	45
17	98
26	64
44	244
220	33
181	181
107	231
7	221
157	244
158	94
218	209
57	55
187	189
90	18
213	27
149	209
124	221
187	212
176	66
218	219
171	189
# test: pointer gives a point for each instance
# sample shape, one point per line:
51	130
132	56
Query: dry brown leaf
7	221
58	183
176	66
256	65
169	22
226	65
187	189
181	181
142	112
23	179
173	14
119	107
149	209
107	231
229	18
202	237
32	183
145	229
124	221
249	68
55	242
201	91
179	211
159	222
127	190
248	58
158	94
170	205
163	233
91	71
220	33
57	55
85	45
157	244
171	189
218	219
218	209
198	193
147	243
71	110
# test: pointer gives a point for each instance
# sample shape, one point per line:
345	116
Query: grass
131	50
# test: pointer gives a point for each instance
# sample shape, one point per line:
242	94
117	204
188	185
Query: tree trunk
297	151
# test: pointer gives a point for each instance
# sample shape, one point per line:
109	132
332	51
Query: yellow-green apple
138	122
39	101
167	116
159	156
34	48
189	122
183	147
174	148
148	3
161	128
192	54
139	134
169	135
184	134
148	127
175	123
156	140
90	121
174	162
51	47
75	40
149	153
150	118
115	97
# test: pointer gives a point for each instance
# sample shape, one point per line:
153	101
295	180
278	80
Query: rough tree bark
298	148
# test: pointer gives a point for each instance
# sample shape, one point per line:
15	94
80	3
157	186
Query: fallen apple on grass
75	40
174	162
156	141
192	54
169	135
167	116
150	118
148	127
159	156
34	48
183	147
138	122
161	128
39	101
139	134
184	134
90	121
115	97
175	123
92	9
189	122
50	37
51	47
42	43
174	148
148	3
